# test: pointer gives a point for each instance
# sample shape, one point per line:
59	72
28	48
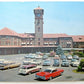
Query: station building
12	42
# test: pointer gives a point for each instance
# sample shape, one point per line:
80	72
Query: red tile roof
7	31
78	38
22	35
54	35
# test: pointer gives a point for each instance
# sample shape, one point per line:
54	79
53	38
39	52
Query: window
54	70
0	42
38	22
38	29
38	39
38	43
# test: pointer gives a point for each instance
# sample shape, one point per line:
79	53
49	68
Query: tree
59	50
81	65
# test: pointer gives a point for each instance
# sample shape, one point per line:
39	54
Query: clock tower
38	12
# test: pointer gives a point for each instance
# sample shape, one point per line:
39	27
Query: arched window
38	43
38	29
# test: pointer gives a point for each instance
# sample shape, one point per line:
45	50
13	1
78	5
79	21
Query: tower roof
38	8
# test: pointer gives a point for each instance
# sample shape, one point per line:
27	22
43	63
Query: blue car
44	57
63	57
56	62
46	63
65	63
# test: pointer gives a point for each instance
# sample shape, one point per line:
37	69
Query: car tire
39	70
61	74
50	78
29	73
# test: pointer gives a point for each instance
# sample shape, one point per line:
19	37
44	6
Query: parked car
56	58
38	57
35	61
27	56
69	57
62	57
46	63
9	65
32	56
38	53
47	54
28	69
74	62
49	73
1	60
56	55
65	63
27	61
75	57
56	62
44	57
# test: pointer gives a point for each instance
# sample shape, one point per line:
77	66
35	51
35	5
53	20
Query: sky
59	17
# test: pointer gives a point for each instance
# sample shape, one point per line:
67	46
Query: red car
49	73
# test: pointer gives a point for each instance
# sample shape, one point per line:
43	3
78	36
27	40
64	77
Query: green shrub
80	54
79	68
59	50
82	63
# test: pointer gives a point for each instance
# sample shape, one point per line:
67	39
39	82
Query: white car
56	55
5	61
38	57
37	62
75	62
27	61
69	57
28	69
2	60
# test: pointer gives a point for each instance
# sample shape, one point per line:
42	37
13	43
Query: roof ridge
7	31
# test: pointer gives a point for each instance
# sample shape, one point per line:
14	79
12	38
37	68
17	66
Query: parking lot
11	75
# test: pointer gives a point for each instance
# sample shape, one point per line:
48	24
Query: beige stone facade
38	26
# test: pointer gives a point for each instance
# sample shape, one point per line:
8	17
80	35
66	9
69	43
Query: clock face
38	14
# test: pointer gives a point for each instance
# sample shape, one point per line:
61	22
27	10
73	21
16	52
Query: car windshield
23	68
35	60
47	61
56	60
64	61
27	59
27	67
45	56
73	60
75	56
69	56
63	56
47	70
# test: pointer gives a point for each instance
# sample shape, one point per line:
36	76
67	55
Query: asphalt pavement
11	75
